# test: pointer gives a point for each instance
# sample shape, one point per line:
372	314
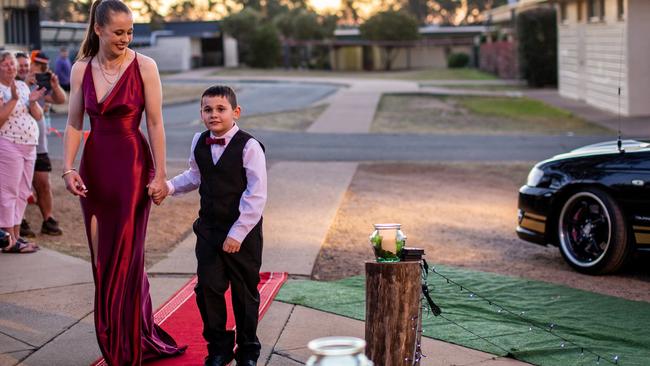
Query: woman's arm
34	108
7	107
73	130
155	128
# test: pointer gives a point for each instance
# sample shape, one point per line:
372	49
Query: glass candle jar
338	351
387	242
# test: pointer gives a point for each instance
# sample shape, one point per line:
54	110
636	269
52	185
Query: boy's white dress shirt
253	199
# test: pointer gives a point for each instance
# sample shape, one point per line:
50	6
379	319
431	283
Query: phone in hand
44	80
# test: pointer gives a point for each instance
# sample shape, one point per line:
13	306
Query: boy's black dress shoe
219	360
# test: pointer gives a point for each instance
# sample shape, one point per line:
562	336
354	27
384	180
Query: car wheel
593	234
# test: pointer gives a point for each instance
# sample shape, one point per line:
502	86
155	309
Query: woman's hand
54	80
158	189
37	94
31	79
14	91
74	184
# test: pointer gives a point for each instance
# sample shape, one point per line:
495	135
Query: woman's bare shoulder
146	63
80	65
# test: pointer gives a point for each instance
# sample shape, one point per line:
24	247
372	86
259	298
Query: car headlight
535	177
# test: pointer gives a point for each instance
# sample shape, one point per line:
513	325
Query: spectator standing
39	63
23	74
19	111
62	68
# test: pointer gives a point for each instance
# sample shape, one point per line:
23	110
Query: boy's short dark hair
221	91
21	55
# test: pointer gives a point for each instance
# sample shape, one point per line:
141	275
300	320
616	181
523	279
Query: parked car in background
593	203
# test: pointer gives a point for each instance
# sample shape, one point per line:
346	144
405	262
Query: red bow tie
211	140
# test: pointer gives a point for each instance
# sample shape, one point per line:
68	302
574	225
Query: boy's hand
159	196
231	245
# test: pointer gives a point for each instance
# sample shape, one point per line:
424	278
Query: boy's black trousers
216	270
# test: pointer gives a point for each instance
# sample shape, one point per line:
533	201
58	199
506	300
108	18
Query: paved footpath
46	298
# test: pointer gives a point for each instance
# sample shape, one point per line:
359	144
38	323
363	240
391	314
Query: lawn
418	113
475	87
415	75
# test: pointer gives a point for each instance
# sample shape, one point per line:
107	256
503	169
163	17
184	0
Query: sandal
20	248
31	243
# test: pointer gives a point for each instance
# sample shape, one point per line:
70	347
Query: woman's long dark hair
99	14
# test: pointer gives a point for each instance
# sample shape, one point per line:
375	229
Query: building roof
198	29
504	13
428	31
62	32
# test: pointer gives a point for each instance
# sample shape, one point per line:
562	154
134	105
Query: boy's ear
237	112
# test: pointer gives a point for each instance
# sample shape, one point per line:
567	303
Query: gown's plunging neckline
117	83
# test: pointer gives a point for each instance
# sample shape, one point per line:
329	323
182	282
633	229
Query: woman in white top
19	112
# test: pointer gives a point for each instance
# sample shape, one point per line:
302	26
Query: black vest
222	184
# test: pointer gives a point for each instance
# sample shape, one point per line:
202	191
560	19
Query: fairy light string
547	327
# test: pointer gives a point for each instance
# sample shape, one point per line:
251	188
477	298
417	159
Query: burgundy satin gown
116	167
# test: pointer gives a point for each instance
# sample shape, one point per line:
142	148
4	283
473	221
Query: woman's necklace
115	76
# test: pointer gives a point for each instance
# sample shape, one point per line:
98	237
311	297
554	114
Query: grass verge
419	75
417	113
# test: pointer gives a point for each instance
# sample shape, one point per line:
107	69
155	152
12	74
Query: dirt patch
182	93
168	223
462	215
298	120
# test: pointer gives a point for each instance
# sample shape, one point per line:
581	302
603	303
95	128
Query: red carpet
180	317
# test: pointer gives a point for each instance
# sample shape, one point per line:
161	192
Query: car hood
603	148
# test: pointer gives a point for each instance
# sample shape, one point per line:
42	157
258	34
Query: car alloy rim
585	229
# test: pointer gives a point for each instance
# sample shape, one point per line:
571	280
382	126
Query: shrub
537	36
265	47
457	60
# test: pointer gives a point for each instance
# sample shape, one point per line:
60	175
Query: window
596	10
563	13
620	9
16	26
580	11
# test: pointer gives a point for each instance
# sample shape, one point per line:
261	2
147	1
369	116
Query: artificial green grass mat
508	316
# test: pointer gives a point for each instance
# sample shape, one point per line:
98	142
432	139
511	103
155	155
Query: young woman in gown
116	176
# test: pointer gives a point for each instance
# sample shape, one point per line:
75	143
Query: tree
392	26
265	47
147	9
65	10
419	9
537	39
56	10
457	12
302	24
242	27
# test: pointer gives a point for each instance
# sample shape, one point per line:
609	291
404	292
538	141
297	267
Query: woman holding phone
114	85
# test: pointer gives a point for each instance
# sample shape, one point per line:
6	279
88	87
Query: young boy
228	167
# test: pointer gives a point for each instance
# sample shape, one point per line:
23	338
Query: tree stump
392	312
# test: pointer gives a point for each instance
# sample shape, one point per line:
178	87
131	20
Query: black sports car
593	203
